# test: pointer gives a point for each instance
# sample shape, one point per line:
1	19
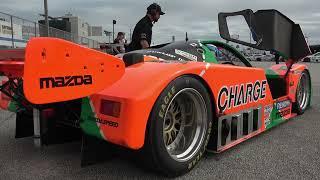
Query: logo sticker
283	104
283	107
186	55
267	113
55	82
238	95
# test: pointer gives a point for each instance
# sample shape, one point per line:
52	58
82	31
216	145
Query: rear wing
55	70
271	31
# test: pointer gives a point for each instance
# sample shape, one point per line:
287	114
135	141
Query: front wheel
303	93
179	127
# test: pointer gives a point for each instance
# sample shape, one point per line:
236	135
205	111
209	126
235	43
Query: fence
15	32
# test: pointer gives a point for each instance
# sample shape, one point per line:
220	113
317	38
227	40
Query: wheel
303	93
179	127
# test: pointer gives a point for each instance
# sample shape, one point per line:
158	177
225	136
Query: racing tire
179	127
303	93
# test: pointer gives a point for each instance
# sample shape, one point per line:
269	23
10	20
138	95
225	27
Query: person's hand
144	44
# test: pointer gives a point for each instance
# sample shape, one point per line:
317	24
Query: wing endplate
56	70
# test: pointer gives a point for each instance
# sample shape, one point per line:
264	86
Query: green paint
209	57
283	55
270	74
88	123
13	106
229	48
275	118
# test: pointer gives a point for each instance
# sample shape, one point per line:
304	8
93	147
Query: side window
225	56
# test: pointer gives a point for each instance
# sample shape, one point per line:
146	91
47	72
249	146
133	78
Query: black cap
156	7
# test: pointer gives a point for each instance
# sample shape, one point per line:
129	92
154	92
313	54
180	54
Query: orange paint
136	87
60	59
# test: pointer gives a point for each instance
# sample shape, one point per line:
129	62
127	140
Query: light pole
113	23
46	17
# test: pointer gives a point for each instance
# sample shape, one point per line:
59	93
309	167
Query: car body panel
137	101
234	89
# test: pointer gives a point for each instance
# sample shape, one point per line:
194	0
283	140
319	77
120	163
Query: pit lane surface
289	151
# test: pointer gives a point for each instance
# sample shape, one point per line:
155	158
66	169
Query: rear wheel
303	93
179	127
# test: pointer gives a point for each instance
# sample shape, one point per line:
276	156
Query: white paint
186	55
207	66
202	73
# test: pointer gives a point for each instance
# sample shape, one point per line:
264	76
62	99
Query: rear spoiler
55	70
271	30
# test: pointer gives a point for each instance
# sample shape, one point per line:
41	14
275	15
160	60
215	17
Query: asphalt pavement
289	151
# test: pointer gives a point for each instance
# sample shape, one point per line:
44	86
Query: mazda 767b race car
173	102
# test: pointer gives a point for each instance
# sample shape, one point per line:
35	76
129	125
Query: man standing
121	41
142	33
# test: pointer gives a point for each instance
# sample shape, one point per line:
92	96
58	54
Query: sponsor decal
268	109
267	113
162	53
238	95
106	122
194	44
55	82
186	55
166	101
283	107
283	113
283	104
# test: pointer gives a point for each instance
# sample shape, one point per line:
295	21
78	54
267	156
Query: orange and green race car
173	102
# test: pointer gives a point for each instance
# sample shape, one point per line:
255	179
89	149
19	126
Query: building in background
82	29
68	27
78	28
59	27
97	33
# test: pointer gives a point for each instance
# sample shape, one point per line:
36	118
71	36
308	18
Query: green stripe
88	123
13	107
274	118
209	57
271	74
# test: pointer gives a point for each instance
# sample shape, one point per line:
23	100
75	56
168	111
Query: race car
172	102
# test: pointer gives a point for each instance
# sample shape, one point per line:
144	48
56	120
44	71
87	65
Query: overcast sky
197	17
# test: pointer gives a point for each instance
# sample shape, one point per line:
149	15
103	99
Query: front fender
293	77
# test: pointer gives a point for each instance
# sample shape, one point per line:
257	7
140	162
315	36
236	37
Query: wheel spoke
185	124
